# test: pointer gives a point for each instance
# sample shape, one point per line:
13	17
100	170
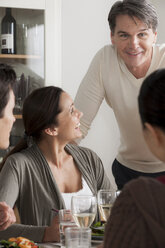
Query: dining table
57	245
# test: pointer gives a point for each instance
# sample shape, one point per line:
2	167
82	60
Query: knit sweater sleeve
9	190
90	93
9	183
34	233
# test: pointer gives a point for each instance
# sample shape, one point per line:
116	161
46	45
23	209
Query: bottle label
7	41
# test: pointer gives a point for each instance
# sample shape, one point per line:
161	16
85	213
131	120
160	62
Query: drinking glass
66	220
105	200
76	237
84	209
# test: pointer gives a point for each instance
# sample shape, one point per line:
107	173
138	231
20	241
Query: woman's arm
9	183
52	232
35	233
7	216
12	180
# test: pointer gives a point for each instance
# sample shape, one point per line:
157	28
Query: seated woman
44	170
138	217
7	101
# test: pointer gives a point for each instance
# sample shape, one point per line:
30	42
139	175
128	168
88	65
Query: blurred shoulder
20	158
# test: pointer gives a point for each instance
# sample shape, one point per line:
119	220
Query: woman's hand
52	232
7	216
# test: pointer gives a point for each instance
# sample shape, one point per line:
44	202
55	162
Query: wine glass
105	200
84	209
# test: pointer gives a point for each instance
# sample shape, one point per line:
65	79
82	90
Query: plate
96	241
97	234
98	238
49	245
97	228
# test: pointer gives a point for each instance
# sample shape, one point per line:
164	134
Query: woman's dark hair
7	80
140	9
151	99
40	110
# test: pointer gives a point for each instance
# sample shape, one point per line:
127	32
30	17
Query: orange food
22	239
12	239
23	242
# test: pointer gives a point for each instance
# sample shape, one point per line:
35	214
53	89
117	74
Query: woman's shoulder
18	156
21	157
15	163
81	151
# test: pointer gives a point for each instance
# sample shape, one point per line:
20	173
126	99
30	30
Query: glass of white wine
84	208
105	200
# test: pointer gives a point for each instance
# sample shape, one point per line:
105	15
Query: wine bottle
8	33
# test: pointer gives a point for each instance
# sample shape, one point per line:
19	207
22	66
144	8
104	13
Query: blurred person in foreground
116	75
44	171
152	112
138	217
7	102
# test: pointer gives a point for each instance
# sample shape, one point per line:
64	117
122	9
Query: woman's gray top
26	181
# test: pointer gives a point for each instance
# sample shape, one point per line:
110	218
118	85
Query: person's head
7	102
133	25
151	103
49	111
137	218
141	9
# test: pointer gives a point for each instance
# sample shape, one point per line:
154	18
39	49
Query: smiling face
68	119
134	41
6	122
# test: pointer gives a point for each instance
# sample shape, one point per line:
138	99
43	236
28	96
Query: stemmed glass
83	208
105	200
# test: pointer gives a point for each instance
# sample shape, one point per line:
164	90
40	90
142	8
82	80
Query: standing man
116	74
7	102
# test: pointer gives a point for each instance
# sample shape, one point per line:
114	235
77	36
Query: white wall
160	7
85	30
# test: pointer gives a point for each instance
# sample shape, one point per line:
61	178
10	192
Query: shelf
18	117
19	56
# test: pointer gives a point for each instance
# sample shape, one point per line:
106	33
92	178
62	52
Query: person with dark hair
151	102
152	112
7	102
43	171
138	218
116	75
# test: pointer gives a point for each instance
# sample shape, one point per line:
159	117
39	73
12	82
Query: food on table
19	242
98	229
